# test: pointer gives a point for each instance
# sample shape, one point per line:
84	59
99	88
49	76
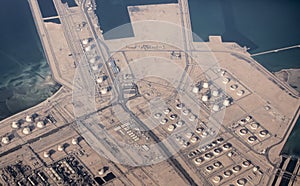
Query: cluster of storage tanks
99	81
214	93
173	121
60	148
29	119
233	86
93	61
95	64
252	130
230	173
211	151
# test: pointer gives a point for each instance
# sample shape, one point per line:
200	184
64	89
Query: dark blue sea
260	25
257	24
24	73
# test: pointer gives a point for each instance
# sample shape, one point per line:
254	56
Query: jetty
275	50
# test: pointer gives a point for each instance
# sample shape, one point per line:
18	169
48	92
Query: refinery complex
156	108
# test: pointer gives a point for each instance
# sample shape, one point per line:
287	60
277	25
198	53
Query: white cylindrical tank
248	119
101	171
251	139
216	108
179	106
217	164
171	127
236	168
93	60
5	140
217	179
226	80
255	169
198	160
95	67
157	115
215	93
227	173
217	151
243	131
208	155
205	85
179	123
173	116
209	168
88	48
85	41
29	118
40	124
220	140
189	135
263	133
204	134
103	90
223	72
99	80
195	89
233	87
185	112
246	163
167	111
240	92
205	98
242	121
227	146
254	126
46	154
186	144
241	182
199	130
194	139
192	117
60	148
74	141
164	121
26	130
15	125
226	102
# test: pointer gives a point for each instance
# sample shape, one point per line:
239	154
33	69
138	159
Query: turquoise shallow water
24	73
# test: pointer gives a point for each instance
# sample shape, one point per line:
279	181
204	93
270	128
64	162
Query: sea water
260	25
25	77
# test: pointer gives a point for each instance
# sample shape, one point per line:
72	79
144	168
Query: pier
49	18
64	130
288	173
275	50
50	54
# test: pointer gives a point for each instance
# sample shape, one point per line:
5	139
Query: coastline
266	99
290	76
29	110
26	78
287	76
